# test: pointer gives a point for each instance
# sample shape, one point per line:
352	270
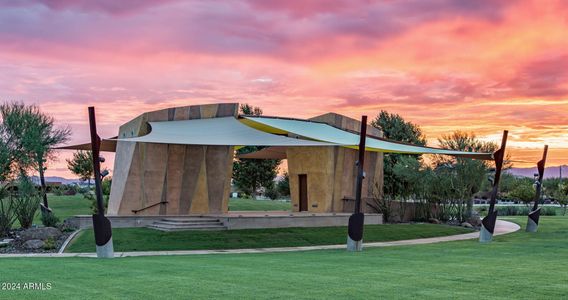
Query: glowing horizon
481	66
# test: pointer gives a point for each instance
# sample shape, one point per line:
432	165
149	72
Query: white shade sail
226	131
326	133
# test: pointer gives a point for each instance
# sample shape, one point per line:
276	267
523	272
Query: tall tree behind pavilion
395	128
251	174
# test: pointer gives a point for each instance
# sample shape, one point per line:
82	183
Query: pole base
532	222
354	246
106	250
532	226
485	236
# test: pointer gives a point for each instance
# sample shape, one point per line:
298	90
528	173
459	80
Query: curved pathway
501	227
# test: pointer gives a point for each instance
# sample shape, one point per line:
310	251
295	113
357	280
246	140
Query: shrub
58	190
518	210
90	196
7	212
49	219
70	190
28	200
382	204
272	193
105	185
547	211
512	210
49	244
283	186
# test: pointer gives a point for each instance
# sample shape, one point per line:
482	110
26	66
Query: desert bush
382	204
547	211
272	193
58	190
512	210
71	190
7	212
283	186
90	196
28	200
50	244
105	184
524	193
49	219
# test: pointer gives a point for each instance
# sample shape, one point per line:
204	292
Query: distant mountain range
549	172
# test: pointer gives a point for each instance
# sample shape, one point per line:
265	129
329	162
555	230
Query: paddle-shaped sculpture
488	223
101	224
534	215
357	219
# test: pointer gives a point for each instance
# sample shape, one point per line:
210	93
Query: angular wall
331	171
172	179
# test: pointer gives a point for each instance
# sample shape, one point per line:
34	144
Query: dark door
303	180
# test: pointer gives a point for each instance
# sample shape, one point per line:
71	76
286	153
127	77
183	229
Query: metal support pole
488	223
101	224
357	219
534	215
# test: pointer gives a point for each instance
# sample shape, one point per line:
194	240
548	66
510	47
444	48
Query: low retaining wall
237	221
295	220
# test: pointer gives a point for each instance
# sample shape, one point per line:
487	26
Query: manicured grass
238	204
65	207
515	266
144	239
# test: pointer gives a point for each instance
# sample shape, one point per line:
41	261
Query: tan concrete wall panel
174	178
217	159
194	157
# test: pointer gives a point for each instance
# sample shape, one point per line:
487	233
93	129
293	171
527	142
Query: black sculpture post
488	223
101	225
357	219
534	215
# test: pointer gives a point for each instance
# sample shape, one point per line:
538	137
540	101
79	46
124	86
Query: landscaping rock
42	233
34	244
474	220
466	225
434	221
5	242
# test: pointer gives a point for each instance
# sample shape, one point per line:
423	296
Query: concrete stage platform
237	219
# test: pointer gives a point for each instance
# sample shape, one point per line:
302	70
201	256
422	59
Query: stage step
180	224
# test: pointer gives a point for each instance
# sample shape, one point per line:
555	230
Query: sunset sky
481	66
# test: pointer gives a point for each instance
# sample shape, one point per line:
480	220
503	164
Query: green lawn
144	239
238	204
65	207
515	266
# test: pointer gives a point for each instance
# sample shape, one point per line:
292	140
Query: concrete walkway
501	227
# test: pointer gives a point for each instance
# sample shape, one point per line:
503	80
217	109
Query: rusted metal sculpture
101	224
357	219
488	223
534	215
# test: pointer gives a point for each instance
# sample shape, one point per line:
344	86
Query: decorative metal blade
101	225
